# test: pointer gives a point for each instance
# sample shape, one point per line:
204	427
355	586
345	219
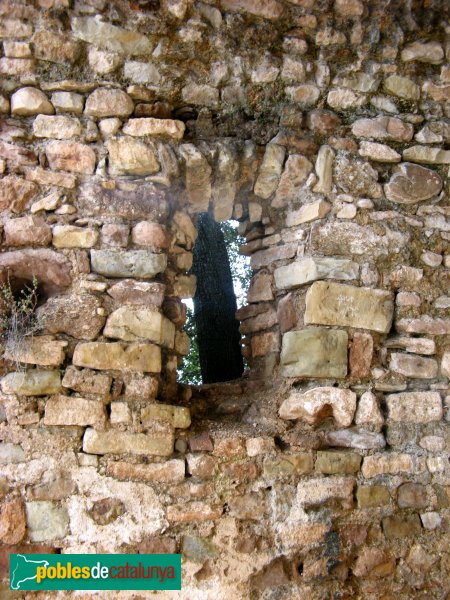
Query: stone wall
321	127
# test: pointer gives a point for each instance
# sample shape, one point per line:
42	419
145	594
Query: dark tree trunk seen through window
215	306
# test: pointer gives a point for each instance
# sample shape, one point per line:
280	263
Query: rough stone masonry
322	127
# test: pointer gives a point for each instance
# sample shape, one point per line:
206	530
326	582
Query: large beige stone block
128	156
166	128
110	37
319	490
177	416
32	383
122	442
104	356
40	350
319	403
132	323
142	264
314	352
415	407
270	171
339	304
312	268
71	410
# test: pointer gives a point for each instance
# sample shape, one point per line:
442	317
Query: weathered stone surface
150	234
128	156
200	94
132	323
370	496
412	495
27	231
71	156
121	442
46	521
360	357
413	366
265	343
198	177
32	383
11	453
52	270
177	416
55	47
132	263
296	170
415	407
368	413
270	171
401	87
142	200
104	102
40	350
344	239
334	463
343	99
43	177
14	28
103	356
29	101
339	304
425	52
379	152
308	212
319	403
260	289
165	128
383	128
110	37
12	521
266	257
76	315
306	95
225	182
184	286
355	438
357	178
70	236
312	268
412	183
87	381
401	526
324	170
70	410
390	463
318	491
58	127
425	324
137	292
269	9
264	320
170	471
115	234
193	511
70	102
314	352
141	72
374	563
427	155
15	193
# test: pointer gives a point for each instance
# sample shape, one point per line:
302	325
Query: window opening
223	278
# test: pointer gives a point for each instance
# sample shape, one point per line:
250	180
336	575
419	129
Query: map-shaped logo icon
23	570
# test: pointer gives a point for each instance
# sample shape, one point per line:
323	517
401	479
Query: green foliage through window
189	371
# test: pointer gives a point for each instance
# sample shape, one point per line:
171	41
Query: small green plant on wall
18	318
